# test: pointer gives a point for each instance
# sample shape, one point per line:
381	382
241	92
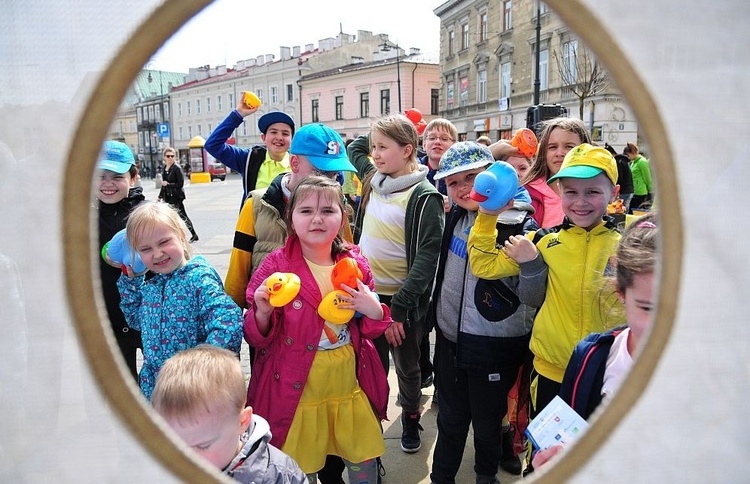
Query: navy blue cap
272	118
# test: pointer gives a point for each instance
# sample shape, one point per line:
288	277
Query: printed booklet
557	423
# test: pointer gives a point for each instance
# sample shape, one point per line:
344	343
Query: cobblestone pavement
213	208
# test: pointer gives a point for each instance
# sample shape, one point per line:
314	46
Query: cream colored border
95	338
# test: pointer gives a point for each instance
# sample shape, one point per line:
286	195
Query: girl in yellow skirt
319	384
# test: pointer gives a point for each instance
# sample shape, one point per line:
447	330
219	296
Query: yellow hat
586	161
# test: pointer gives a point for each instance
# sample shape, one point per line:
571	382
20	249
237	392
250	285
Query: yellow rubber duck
282	288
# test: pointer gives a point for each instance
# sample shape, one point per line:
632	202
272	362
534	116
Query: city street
213	208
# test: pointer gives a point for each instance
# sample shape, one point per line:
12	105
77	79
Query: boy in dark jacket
483	328
116	199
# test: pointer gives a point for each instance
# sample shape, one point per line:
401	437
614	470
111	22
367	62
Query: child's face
521	164
459	187
214	434
389	157
639	303
161	249
560	142
316	220
113	187
584	200
436	141
278	137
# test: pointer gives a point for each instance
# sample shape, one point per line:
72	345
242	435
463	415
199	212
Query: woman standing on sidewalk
172	190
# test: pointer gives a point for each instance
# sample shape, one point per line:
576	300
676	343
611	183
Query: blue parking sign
163	129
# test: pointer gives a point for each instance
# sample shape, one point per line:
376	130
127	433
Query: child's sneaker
410	439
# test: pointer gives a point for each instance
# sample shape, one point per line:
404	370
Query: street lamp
385	47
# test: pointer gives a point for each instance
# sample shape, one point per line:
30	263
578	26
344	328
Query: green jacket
641	169
425	220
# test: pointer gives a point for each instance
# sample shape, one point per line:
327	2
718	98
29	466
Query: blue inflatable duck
496	186
118	253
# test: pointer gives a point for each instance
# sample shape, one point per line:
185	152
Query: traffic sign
163	130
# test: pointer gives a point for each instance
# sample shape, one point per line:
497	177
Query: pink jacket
284	357
547	205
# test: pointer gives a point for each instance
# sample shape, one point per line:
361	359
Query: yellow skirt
333	416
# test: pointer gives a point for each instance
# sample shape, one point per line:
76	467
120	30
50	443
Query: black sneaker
427	380
410	439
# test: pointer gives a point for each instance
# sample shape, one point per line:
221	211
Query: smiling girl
312	378
184	304
400	218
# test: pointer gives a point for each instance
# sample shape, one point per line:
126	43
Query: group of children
318	388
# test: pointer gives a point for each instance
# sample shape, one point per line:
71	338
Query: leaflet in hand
557	423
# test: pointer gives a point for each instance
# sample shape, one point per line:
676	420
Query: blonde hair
197	380
442	124
539	168
401	130
170	150
148	215
636	253
331	190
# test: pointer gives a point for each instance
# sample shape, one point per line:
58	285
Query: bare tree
580	72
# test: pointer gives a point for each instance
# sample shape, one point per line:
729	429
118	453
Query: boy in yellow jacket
577	253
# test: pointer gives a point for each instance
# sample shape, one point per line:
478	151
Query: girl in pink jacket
319	384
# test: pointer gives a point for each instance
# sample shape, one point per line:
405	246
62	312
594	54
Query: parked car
217	170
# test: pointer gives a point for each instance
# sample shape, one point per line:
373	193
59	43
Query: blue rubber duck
496	186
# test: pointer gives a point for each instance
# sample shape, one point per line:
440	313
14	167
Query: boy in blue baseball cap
117	197
260	164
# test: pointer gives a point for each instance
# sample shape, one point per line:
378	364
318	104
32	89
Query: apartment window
505	79
197	106
208	104
542	7
315	107
385	101
570	67
451	42
274	95
244	128
165	110
339	108
463	93
364	104
139	114
157	113
482	85
187	107
465	36
507	15
210	128
450	94
230	100
190	132
200	130
219	107
259	93
151	112
483	26
434	101
289	93
543	70
179	131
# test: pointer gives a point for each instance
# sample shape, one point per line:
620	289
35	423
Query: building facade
488	71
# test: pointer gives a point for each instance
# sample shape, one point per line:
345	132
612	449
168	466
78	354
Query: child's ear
246	418
615	192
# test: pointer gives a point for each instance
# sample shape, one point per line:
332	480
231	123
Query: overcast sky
231	30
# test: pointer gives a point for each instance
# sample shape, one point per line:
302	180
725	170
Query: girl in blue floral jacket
185	304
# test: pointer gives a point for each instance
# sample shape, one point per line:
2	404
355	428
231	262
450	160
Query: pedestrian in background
643	187
173	190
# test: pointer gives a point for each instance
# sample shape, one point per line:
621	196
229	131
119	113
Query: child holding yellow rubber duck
318	382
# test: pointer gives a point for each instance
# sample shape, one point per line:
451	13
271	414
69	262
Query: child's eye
144	249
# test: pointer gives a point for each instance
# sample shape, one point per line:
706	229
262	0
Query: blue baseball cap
272	118
116	157
322	146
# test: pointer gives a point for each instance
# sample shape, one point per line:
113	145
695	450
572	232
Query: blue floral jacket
177	311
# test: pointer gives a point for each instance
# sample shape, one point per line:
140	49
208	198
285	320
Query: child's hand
263	308
543	456
520	249
502	149
243	108
362	300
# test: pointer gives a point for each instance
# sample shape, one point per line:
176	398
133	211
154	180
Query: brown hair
636	253
630	148
197	379
398	128
328	188
444	125
539	167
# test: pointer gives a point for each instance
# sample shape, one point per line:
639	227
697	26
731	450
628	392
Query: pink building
350	97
